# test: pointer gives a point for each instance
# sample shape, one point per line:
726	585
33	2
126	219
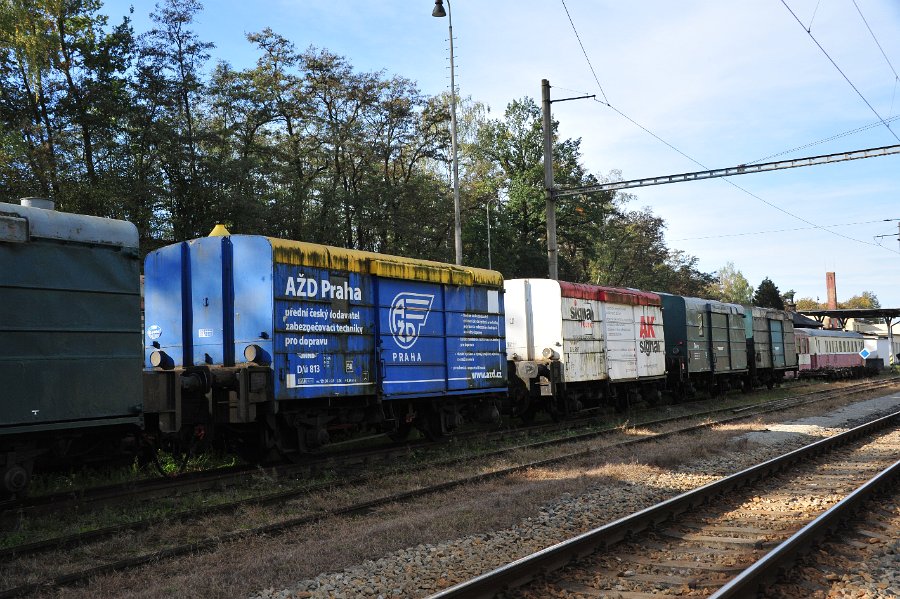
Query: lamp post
439	12
487	213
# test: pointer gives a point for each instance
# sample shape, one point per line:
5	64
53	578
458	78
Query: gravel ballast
424	569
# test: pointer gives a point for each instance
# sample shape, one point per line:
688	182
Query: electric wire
801	219
847	79
726	179
866	222
813	18
877	43
825	140
578	37
888	60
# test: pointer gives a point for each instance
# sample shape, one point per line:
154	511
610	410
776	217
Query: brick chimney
832	291
831	288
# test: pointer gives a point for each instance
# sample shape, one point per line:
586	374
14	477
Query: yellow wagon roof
315	255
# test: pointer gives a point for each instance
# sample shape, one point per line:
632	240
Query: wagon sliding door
778	347
727	342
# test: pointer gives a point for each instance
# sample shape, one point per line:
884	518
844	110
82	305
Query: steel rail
747	583
75	539
96	497
557	556
215	541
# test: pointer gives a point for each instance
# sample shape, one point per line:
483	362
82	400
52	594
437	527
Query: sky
680	87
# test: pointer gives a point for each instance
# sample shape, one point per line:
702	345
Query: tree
599	240
679	275
62	101
865	301
732	286
169	89
805	304
767	295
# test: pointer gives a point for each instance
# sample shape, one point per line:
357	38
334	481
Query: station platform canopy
886	314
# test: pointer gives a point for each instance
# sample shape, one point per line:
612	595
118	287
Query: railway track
859	558
725	539
13	556
355	465
87	499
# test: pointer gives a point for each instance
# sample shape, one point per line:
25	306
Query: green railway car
770	345
706	347
70	332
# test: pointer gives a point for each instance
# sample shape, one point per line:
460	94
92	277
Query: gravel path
425	569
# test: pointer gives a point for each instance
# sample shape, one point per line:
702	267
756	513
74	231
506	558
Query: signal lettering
647	327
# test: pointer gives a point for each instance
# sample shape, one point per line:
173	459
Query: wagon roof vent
38	203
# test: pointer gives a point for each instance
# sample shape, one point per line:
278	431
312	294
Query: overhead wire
844	75
888	60
877	43
866	222
578	37
825	140
813	18
695	161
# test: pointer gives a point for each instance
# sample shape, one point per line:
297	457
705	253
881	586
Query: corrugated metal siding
336	322
716	335
583	350
70	328
790	343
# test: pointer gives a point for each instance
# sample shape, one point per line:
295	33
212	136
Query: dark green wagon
706	348
70	332
770	345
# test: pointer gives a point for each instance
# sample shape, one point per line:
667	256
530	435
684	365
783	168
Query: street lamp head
438	9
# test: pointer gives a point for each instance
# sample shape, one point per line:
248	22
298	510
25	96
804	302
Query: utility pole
457	225
549	191
548	181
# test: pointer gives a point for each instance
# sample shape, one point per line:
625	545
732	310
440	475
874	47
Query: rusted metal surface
599	333
300	253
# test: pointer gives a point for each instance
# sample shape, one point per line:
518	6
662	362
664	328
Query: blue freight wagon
306	340
70	329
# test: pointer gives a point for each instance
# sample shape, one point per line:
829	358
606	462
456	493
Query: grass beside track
29	530
406	475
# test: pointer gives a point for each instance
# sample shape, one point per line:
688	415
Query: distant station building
880	326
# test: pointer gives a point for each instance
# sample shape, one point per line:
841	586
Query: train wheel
529	413
622	404
15	479
401	433
430	423
651	394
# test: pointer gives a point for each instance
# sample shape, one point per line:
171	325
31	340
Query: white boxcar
597	334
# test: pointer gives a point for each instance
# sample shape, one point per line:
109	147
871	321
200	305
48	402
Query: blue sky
725	83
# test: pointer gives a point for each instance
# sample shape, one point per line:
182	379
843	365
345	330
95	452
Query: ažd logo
409	311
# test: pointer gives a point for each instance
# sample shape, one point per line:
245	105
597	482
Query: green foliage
865	301
599	239
808	303
301	145
767	295
732	286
